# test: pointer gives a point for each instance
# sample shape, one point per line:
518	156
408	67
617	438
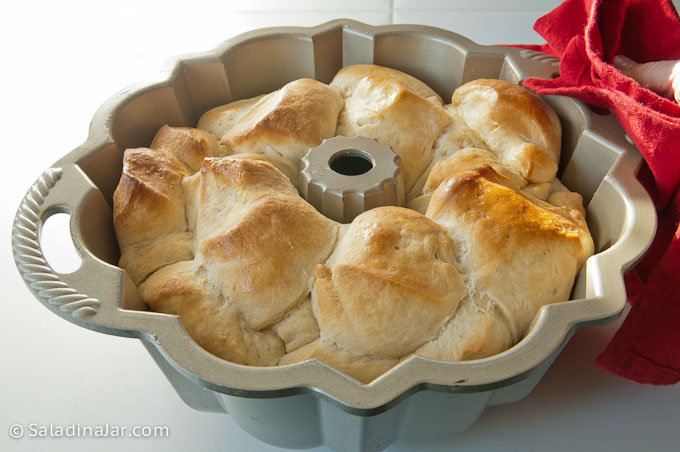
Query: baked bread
464	160
188	145
387	110
347	78
222	119
518	253
148	215
255	244
390	285
212	229
286	122
257	239
514	123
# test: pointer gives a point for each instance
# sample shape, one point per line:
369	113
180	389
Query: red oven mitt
586	35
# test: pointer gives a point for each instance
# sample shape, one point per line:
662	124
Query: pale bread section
299	327
347	78
479	329
455	137
257	239
141	261
360	367
390	286
221	119
464	160
182	290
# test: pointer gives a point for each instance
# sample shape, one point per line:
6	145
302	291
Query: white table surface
61	60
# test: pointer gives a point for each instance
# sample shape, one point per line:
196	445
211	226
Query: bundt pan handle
98	296
94	294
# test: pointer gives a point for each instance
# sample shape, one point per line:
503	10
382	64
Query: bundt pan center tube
345	176
309	403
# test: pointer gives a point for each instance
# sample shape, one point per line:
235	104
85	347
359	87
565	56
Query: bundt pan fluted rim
597	161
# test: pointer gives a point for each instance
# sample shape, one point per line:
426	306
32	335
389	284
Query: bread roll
455	137
148	214
287	122
471	159
561	196
360	367
516	124
257	240
148	200
141	261
347	78
256	243
386	109
521	252
284	165
221	119
558	195
188	145
389	287
478	329
464	160
539	191
299	327
182	289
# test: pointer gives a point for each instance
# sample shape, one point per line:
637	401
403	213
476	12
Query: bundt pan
309	404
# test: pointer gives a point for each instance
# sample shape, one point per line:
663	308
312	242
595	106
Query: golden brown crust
472	159
385	109
475	197
516	124
523	252
465	160
188	145
147	203
287	122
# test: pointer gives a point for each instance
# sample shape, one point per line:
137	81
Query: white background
60	61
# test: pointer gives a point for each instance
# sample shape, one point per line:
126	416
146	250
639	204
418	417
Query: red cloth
586	35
